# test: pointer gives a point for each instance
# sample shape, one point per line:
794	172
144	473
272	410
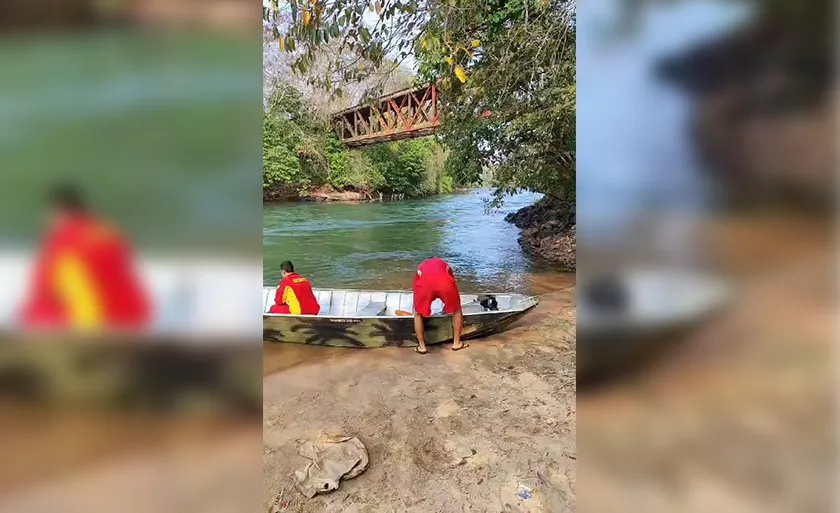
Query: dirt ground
738	418
86	462
446	432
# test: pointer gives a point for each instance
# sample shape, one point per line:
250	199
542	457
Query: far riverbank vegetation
302	158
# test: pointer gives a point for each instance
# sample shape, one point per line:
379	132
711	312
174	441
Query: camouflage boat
358	318
626	321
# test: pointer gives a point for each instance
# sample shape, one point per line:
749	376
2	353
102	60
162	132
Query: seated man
294	294
434	280
84	278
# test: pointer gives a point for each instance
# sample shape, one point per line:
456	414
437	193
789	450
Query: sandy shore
86	462
738	418
507	403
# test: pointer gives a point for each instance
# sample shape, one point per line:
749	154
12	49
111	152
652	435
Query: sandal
418	351
462	346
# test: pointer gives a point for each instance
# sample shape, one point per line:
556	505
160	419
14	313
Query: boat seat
472	307
377	308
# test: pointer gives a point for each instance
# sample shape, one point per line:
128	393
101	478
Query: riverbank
319	194
508	402
549	232
328	194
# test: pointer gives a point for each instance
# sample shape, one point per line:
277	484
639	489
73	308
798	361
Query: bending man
434	280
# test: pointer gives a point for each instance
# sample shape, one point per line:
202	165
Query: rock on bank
766	134
549	232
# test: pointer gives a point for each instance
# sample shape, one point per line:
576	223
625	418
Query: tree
505	68
282	138
511	107
333	38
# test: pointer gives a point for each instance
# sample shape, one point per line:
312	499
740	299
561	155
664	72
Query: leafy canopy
506	70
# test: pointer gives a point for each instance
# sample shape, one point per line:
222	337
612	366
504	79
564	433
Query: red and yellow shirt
294	295
84	279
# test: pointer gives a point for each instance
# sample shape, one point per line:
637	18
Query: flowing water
161	132
379	245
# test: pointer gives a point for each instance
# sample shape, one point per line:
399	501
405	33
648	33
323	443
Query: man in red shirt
84	277
434	279
294	294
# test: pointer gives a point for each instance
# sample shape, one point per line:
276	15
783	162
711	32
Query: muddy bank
278	193
508	400
327	194
275	194
549	232
331	194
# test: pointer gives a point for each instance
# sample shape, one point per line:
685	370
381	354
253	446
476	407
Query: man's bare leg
421	334
457	327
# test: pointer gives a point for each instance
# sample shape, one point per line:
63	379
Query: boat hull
131	373
371	332
669	306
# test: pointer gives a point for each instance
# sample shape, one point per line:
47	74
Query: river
157	129
379	245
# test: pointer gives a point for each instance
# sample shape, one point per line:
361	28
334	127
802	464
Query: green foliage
364	176
352	169
403	164
412	167
280	162
438	180
304	27
515	115
339	162
506	71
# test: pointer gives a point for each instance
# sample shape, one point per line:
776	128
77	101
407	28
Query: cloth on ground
331	459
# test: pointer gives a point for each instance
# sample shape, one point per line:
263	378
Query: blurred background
707	302
152	111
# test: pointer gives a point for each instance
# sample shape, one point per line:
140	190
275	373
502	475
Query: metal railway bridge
405	114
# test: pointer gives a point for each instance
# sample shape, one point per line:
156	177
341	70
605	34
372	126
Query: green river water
161	131
378	245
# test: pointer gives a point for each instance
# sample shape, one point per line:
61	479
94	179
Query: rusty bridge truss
401	115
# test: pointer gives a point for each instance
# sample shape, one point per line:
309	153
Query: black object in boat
490	303
605	293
